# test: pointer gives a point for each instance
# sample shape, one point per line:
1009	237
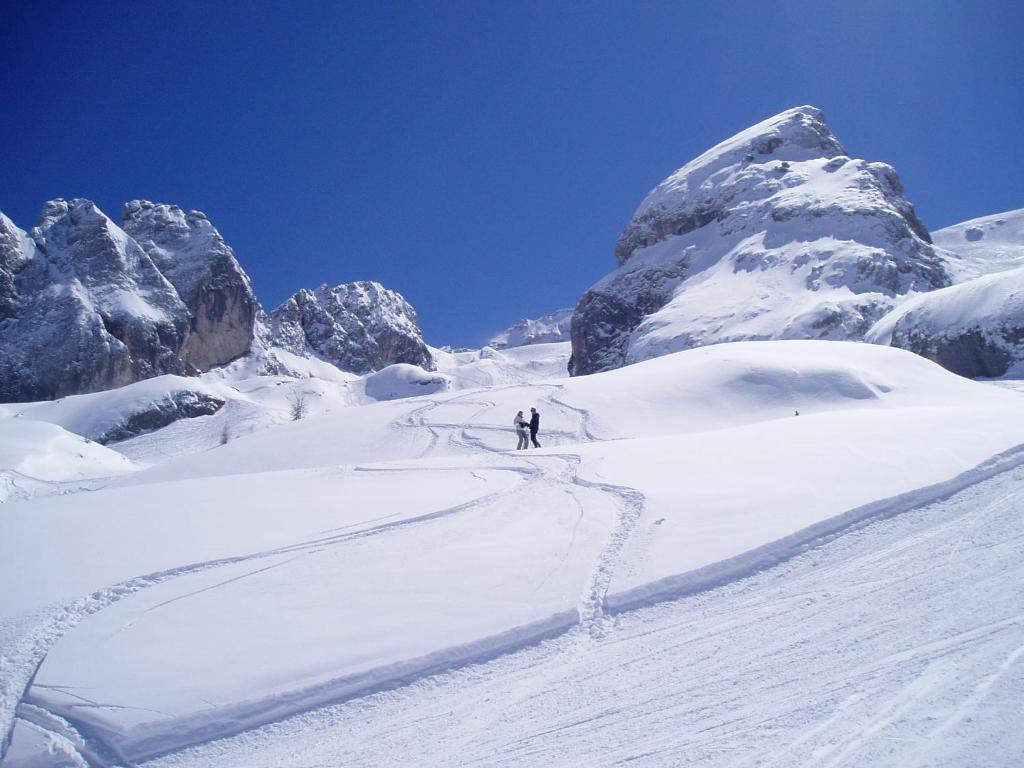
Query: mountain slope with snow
548	329
896	644
319	561
88	306
984	245
358	327
975	328
192	255
92	310
775	233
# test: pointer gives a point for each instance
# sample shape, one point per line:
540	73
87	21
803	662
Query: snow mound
404	380
118	414
488	367
37	458
975	329
984	245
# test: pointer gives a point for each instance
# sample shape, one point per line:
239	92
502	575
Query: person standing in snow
534	426
521	430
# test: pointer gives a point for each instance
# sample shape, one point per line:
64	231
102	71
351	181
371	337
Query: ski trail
630	503
25	653
589	613
584	434
798	665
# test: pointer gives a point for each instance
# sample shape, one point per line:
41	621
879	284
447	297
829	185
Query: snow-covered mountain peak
774	233
16	250
185	246
86	307
541	330
88	249
690	198
191	253
358	327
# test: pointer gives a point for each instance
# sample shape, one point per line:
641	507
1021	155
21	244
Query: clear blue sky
481	157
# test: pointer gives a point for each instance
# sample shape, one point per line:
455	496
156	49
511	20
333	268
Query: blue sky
481	157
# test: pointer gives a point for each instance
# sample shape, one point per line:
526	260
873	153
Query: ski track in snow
30	646
26	646
574	643
871	656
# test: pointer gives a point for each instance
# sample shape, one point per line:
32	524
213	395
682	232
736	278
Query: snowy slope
404	538
984	245
37	458
894	645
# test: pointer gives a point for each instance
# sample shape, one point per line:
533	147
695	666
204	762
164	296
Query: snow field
896	645
319	560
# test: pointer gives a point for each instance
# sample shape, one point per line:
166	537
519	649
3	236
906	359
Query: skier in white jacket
522	430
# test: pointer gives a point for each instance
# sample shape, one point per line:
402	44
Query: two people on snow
522	425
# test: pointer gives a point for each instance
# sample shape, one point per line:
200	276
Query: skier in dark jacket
534	426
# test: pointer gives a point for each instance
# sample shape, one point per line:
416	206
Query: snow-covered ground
757	553
896	644
985	245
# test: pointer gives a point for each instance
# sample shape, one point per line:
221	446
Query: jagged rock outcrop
84	307
193	256
774	233
542	330
358	327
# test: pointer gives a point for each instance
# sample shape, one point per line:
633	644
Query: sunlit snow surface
984	246
775	553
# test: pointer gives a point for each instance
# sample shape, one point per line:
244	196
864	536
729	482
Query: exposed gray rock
774	233
85	308
193	256
160	413
359	327
971	353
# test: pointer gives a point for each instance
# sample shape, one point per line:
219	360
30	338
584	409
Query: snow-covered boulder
975	329
775	233
125	412
193	256
985	245
83	307
359	327
542	330
403	380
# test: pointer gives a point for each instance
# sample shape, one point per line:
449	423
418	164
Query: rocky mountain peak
691	197
541	330
190	252
359	327
90	310
773	233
